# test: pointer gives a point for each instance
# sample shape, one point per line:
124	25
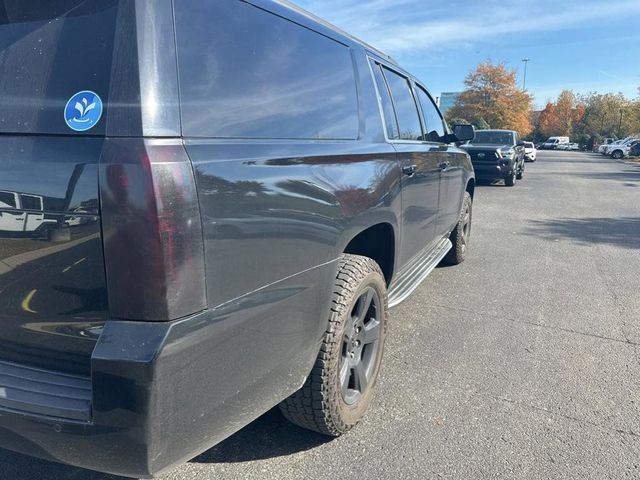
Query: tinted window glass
493	137
405	105
246	73
31	202
432	119
7	199
385	100
50	50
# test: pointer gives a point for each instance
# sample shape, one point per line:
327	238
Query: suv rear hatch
57	59
53	298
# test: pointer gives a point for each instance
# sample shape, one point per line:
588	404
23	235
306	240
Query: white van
552	143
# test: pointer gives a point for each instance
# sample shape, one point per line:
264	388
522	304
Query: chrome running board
414	272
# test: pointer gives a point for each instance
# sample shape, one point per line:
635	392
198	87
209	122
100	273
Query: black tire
510	181
520	173
322	404
617	154
461	233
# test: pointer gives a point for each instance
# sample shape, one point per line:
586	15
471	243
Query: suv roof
333	28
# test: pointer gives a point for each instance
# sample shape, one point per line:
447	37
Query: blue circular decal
83	111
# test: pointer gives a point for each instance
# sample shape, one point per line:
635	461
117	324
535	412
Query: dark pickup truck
497	155
206	209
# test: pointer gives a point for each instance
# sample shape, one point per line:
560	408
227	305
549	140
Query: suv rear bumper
161	393
127	391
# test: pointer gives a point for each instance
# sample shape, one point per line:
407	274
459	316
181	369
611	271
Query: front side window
405	106
432	119
247	73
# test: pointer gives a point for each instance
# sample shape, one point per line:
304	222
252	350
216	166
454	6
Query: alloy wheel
360	346
466	227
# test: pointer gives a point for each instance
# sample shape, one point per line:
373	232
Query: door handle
409	169
444	165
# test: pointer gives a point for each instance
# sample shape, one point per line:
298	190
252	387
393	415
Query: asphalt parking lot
524	362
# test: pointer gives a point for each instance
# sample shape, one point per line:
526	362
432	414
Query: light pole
620	123
524	82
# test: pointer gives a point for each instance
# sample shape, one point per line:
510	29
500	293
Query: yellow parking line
27	300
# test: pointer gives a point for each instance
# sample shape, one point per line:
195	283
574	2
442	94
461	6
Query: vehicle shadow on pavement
581	159
621	232
628	175
267	437
15	466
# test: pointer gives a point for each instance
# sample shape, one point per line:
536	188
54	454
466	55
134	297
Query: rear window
49	51
246	73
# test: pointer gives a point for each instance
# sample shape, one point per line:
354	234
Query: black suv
497	155
206	210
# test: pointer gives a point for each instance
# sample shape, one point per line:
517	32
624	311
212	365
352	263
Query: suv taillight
151	229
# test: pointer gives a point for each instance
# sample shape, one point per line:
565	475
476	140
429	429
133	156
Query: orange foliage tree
564	117
492	94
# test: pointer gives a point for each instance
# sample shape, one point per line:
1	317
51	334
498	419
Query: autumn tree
569	112
492	94
548	120
456	121
564	117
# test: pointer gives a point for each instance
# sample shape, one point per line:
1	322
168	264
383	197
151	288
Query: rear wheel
340	387
461	233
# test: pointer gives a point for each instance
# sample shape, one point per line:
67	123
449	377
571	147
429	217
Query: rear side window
405	106
246	73
51	50
391	124
432	119
7	199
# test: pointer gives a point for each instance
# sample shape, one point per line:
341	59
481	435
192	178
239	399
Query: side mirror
464	133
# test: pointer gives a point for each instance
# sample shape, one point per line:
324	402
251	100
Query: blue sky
583	45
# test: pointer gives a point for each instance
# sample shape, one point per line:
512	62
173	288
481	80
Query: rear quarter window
247	73
391	124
